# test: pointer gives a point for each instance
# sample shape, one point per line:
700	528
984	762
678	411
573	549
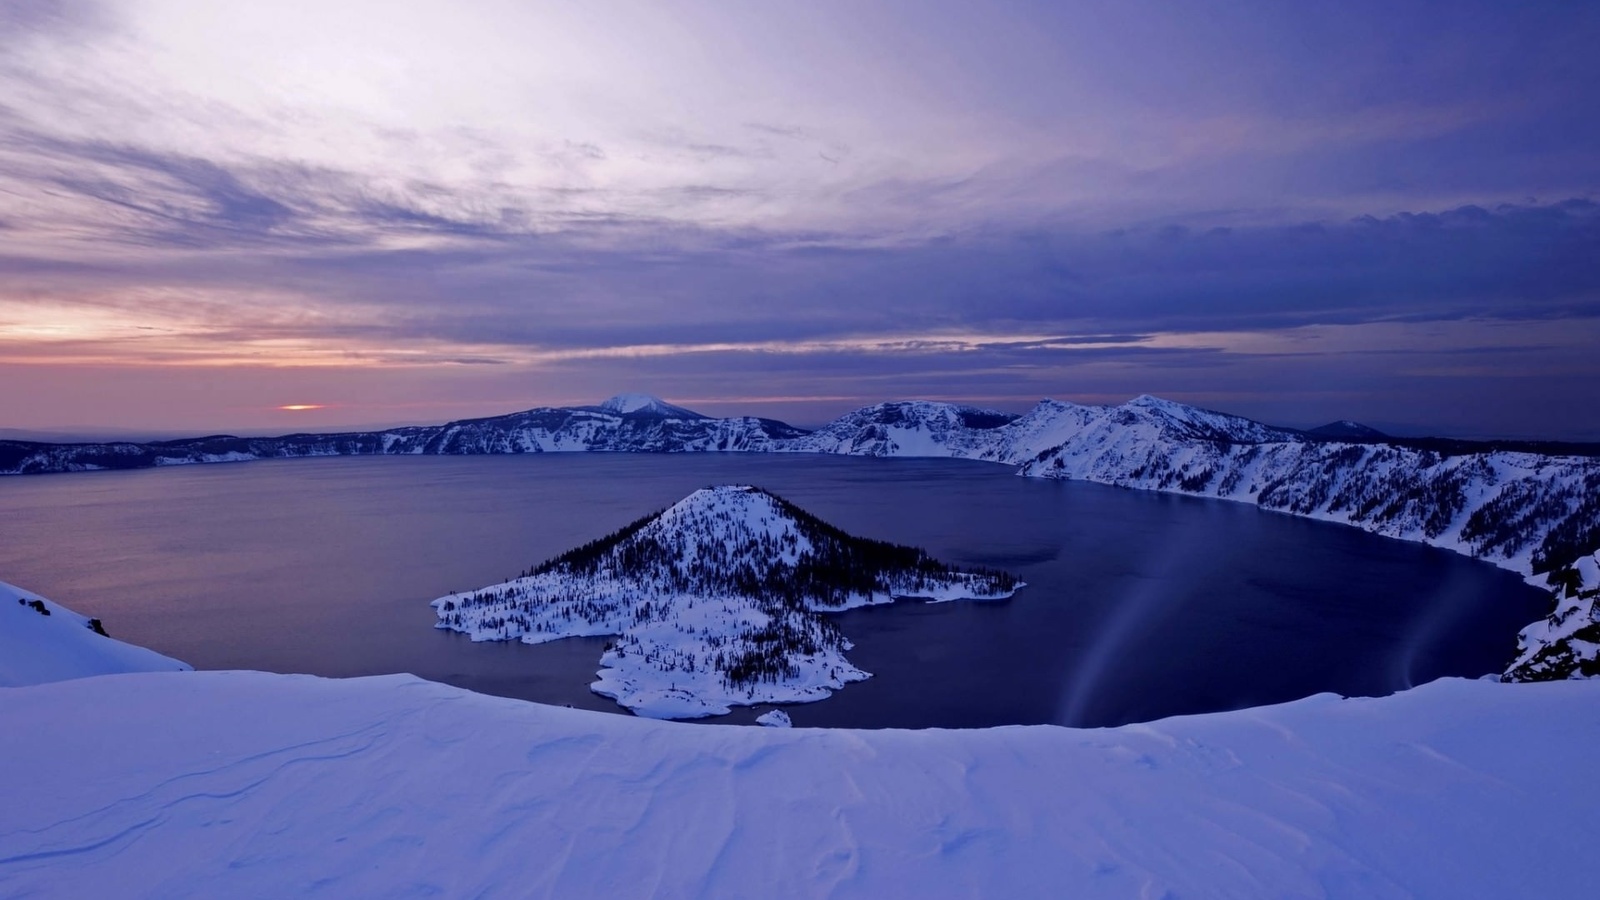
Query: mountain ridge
1533	508
1345	429
653	425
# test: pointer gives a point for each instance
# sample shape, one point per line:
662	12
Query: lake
1139	605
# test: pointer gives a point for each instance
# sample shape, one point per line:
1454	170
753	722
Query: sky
1380	211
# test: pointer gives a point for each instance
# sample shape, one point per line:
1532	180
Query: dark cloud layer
573	285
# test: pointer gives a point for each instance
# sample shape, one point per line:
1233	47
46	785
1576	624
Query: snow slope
1566	643
904	428
1517	510
714	602
36	648
234	784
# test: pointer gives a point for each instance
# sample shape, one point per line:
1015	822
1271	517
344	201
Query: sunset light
1083	200
1032	448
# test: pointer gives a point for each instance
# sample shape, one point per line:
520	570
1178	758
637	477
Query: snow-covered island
715	602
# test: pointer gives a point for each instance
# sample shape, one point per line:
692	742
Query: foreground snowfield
238	784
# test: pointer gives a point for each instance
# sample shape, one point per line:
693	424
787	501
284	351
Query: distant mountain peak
645	404
1193	422
1150	400
1169	407
1344	428
1162	404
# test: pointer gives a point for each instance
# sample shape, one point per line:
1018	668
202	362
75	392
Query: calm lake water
1139	605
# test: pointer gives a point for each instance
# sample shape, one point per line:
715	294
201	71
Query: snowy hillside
242	784
905	428
715	602
1565	644
1535	514
43	641
1528	513
923	428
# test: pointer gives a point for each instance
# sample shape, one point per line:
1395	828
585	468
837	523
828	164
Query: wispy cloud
906	199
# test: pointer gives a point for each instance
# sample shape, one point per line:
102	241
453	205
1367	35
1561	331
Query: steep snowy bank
246	784
1526	512
714	602
42	641
1566	643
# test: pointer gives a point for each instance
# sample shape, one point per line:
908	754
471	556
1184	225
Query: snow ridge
625	423
905	428
714	602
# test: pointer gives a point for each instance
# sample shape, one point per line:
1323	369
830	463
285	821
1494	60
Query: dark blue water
1139	605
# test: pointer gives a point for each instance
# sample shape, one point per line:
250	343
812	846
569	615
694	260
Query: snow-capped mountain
905	428
629	422
714	602
646	405
42	641
926	428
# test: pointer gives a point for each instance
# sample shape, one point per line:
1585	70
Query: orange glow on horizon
297	407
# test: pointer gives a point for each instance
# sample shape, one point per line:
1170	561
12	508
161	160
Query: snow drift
233	784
